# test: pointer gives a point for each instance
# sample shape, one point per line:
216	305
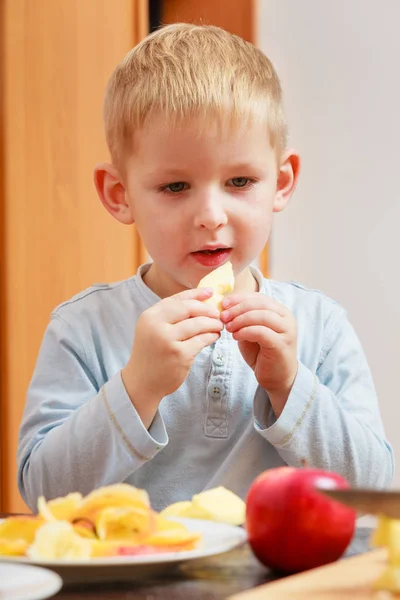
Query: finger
174	310
252	302
193	294
196	326
265	318
233	299
256	300
263	336
197	343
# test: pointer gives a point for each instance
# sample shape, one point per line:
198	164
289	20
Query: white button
220	359
214	391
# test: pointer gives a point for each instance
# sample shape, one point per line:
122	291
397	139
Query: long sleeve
78	432
332	417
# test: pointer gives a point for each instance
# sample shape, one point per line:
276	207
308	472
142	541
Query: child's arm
329	417
81	429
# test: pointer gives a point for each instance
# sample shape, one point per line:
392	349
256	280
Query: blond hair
185	70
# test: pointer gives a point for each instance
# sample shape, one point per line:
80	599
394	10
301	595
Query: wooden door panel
58	239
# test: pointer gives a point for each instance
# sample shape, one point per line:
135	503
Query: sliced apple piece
222	505
20	528
59	509
125	523
57	539
222	281
111	496
177	509
217	504
381	533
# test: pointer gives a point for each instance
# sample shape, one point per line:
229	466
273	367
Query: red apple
290	525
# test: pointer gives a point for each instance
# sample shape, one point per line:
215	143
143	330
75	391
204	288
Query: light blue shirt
80	429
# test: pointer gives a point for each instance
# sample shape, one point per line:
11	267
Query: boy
142	381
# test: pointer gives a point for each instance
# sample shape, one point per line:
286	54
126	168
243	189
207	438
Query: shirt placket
216	421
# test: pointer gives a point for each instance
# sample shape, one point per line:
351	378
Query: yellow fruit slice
112	496
125	523
387	534
183	540
177	509
394	543
197	512
85	528
221	505
20	528
168	536
59	540
102	548
13	547
17	533
187	510
217	504
222	281
163	524
59	509
381	533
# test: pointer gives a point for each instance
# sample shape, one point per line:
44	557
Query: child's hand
168	337
267	335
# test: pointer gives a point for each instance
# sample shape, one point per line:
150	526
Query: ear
111	192
288	175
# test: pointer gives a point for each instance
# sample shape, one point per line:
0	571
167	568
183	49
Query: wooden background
56	238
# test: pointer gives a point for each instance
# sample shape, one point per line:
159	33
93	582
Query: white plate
216	539
24	582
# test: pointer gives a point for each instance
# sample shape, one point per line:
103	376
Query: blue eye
176	187
240	182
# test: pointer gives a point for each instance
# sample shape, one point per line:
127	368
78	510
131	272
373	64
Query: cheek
258	232
256	215
153	220
164	238
258	204
254	231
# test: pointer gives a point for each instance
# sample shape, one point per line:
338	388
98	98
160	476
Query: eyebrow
182	172
166	173
246	166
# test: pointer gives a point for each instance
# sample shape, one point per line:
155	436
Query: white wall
339	64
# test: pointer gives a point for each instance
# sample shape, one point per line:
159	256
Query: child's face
200	198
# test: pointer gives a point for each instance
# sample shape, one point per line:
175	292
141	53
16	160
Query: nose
210	212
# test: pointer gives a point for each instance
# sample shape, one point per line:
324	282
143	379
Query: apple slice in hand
222	281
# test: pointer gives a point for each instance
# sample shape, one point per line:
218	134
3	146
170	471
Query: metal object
368	501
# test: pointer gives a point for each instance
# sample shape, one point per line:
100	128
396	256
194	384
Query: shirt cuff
301	398
142	443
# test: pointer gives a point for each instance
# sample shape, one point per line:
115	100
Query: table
205	579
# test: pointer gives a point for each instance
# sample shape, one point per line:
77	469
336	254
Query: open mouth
215	251
212	258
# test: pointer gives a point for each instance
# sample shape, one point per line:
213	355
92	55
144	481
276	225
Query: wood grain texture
57	238
347	579
236	16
